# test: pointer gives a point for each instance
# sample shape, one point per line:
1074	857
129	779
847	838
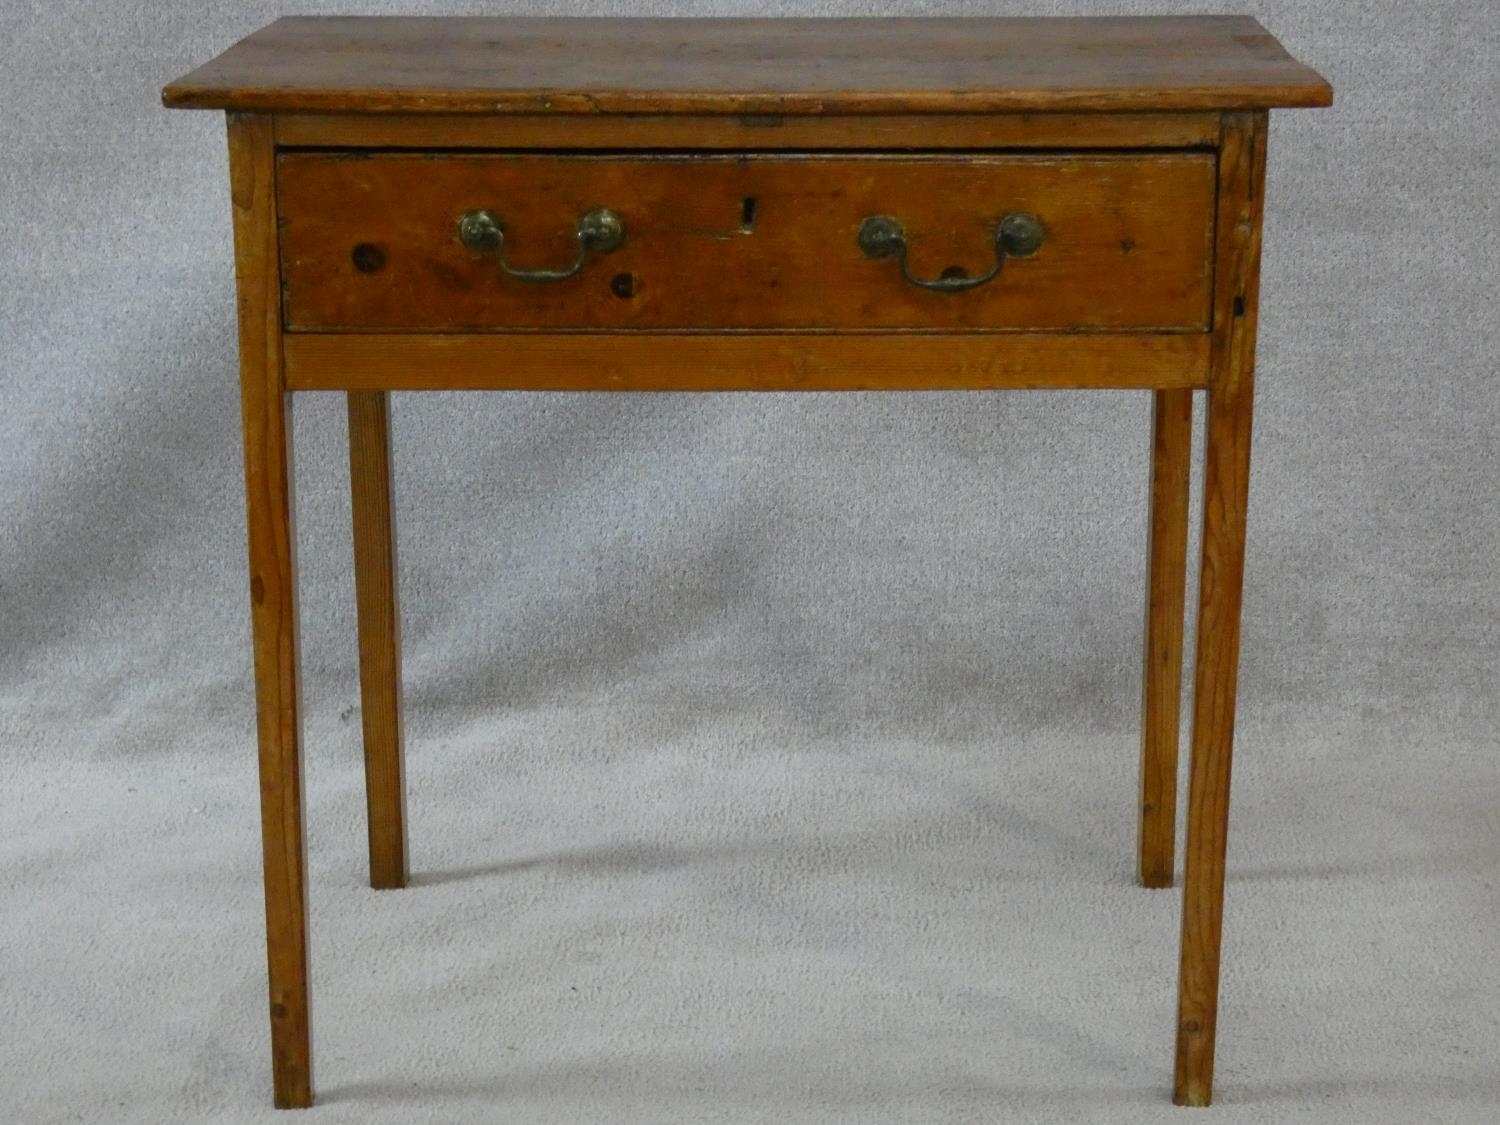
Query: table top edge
872	65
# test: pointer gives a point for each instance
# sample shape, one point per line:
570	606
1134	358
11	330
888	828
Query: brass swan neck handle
1017	235
600	231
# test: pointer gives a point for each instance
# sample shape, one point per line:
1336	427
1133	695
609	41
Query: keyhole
624	285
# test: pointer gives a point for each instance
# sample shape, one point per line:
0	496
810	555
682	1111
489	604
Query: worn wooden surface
750	132
1166	581
742	362
737	242
370	479
775	66
1148	279
273	602
1225	490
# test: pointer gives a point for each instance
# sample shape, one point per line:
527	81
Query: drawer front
1081	241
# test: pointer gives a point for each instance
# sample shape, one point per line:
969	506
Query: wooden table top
381	64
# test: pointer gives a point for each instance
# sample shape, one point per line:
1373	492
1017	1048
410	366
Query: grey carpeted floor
772	758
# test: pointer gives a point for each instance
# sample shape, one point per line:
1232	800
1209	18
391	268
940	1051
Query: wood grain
1166	582
750	133
742	362
743	155
1129	241
735	66
273	602
370	479
1225	492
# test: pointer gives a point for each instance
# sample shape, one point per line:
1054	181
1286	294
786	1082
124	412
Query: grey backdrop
772	758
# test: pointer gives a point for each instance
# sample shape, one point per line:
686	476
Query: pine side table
747	205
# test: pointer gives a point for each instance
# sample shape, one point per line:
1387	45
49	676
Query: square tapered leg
1226	487
379	634
1166	582
266	409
